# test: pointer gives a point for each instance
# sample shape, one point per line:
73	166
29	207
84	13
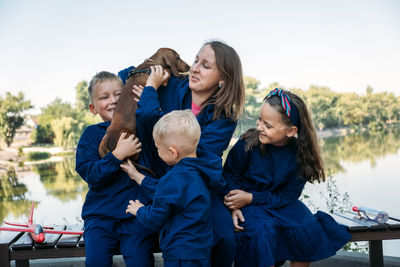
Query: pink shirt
195	109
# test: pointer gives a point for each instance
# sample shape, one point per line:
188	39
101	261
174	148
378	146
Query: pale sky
47	46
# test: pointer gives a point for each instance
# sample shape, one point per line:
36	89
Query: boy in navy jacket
108	229
182	200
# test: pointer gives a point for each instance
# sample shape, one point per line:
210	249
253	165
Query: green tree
61	123
43	134
82	96
321	102
11	115
254	96
57	109
349	109
67	131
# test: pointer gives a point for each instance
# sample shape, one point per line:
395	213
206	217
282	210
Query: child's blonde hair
180	126
101	77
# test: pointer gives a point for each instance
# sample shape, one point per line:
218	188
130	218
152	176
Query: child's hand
133	207
158	77
133	173
137	92
237	199
237	216
127	146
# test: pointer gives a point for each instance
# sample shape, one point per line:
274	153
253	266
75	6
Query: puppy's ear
170	61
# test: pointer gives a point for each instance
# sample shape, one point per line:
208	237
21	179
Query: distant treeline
62	123
330	109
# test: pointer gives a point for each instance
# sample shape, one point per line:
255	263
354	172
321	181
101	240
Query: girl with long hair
266	171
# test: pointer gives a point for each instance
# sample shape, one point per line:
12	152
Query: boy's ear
92	109
292	131
174	152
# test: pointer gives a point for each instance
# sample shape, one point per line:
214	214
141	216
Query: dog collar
135	71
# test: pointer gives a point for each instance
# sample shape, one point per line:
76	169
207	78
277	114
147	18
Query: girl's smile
271	128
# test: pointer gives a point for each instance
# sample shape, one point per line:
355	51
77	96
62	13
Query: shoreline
9	157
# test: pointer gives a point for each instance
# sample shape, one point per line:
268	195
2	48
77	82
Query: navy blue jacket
181	209
153	104
273	179
110	188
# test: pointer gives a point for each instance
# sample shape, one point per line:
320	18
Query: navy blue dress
215	138
278	226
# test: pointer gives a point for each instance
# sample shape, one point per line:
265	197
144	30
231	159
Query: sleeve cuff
258	198
113	160
149	91
140	217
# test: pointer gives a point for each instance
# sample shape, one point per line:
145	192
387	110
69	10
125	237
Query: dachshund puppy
124	119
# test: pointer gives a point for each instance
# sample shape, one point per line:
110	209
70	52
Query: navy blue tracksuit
181	211
108	230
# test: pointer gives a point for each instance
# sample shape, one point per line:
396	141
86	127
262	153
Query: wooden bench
373	232
21	248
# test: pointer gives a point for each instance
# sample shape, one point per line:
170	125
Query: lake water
363	172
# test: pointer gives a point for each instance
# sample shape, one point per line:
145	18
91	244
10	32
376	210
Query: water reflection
15	208
61	180
359	147
10	187
12	195
49	184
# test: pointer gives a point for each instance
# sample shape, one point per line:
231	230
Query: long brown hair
230	98
308	153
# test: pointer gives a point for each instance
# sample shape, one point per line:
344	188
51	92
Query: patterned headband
289	107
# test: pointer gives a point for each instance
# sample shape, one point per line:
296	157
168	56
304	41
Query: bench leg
375	253
4	255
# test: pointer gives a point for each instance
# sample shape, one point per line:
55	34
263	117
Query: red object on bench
37	231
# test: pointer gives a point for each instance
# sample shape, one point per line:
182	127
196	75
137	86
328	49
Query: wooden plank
50	239
353	224
375	235
393	225
24	242
69	241
7	237
377	226
47	253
